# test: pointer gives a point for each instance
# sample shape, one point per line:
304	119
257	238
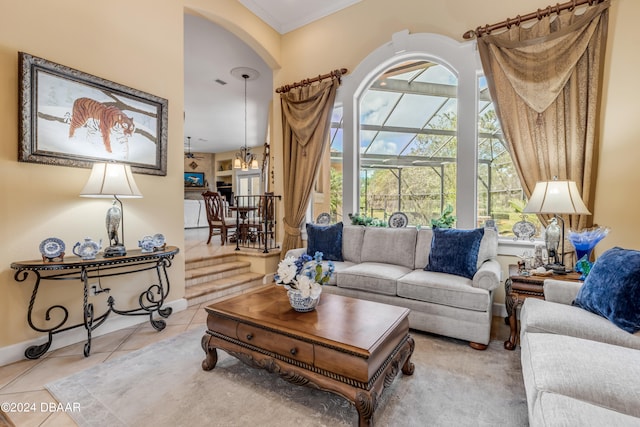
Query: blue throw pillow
326	239
612	288
455	251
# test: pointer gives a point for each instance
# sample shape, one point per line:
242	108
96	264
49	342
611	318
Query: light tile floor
23	382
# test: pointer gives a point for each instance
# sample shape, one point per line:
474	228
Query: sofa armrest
560	291
296	252
488	276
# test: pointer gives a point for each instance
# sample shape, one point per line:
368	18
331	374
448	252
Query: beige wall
143	48
40	201
140	47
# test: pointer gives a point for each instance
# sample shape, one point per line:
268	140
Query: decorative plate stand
398	220
52	248
159	242
524	230
324	219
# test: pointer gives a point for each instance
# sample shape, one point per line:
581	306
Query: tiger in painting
105	118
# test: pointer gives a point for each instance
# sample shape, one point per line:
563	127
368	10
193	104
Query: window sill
510	247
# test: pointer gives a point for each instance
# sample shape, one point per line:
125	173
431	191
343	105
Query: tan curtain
306	117
544	81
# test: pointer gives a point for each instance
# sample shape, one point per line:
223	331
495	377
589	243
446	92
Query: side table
151	301
517	288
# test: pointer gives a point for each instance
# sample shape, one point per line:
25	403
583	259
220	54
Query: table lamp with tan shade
556	198
112	180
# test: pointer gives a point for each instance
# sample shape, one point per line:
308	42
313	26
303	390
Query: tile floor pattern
23	382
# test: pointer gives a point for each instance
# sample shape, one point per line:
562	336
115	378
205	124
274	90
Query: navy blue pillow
612	288
455	251
326	239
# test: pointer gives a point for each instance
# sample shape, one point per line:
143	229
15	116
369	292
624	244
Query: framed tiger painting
71	118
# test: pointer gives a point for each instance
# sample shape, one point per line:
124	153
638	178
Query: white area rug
164	385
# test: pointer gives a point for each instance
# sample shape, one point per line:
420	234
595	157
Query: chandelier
245	159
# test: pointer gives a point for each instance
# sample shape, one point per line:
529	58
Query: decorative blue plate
398	220
524	230
324	219
52	247
158	240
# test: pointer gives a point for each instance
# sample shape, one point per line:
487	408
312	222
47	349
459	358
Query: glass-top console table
150	300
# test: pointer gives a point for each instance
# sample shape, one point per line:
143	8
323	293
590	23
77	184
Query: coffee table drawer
271	341
222	325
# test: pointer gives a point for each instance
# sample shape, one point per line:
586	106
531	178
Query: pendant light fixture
245	159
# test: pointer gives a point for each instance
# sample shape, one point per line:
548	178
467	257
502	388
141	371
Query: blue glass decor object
584	266
584	241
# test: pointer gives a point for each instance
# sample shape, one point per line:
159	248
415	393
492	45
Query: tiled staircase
218	276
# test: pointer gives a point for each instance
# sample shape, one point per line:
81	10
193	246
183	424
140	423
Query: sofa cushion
554	318
488	247
352	236
442	288
600	374
557	410
455	251
326	239
612	288
337	268
373	277
389	245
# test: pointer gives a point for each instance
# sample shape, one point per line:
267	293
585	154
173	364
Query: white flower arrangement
302	275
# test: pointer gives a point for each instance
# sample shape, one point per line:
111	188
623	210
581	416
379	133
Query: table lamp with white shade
557	198
112	180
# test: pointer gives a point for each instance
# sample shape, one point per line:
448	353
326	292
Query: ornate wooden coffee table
353	348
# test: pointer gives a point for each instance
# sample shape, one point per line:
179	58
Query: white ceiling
287	15
214	113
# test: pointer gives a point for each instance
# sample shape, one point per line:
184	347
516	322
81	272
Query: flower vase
301	303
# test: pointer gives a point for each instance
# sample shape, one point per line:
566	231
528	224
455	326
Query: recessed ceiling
214	108
287	15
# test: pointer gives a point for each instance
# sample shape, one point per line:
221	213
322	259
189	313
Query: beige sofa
579	369
387	265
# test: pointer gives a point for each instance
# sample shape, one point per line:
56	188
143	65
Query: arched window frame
463	61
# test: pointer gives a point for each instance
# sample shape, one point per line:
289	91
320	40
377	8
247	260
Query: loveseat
387	265
579	367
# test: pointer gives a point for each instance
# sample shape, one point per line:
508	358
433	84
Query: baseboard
499	309
268	278
15	352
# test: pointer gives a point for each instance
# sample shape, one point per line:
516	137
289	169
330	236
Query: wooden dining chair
216	216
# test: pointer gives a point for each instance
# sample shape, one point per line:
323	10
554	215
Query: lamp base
115	250
557	268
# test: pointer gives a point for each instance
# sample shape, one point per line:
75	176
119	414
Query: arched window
414	131
408	142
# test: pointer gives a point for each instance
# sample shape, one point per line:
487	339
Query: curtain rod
335	73
539	14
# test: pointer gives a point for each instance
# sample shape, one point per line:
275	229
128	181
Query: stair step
219	271
219	288
209	261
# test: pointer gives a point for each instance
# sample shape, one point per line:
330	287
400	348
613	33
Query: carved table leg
365	405
510	344
408	366
508	302
211	354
